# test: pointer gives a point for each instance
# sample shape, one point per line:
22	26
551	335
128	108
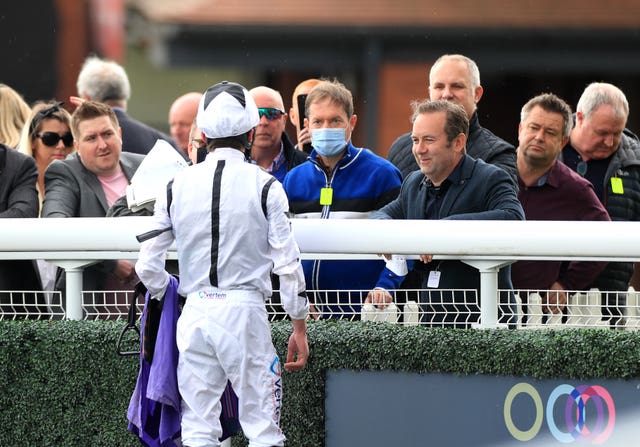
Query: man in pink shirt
87	183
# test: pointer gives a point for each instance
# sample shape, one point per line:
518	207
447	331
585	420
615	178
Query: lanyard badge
326	196
616	185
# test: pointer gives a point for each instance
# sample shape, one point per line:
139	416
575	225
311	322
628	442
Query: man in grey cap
228	219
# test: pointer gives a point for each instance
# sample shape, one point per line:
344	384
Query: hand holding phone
301	100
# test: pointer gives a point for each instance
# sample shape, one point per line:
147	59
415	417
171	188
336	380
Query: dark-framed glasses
270	112
198	143
52	138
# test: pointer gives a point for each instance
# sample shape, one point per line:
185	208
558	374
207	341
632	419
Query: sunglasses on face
52	138
270	113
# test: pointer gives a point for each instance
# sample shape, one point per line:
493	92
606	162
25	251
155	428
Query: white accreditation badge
434	279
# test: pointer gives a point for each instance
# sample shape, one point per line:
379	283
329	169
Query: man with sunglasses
272	149
90	180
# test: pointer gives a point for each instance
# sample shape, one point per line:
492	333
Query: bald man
303	134
272	149
181	114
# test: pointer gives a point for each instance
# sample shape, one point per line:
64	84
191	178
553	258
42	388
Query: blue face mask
328	141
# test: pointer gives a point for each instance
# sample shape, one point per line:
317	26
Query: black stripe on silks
169	196
215	223
265	194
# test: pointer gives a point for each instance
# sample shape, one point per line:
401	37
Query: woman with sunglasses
46	136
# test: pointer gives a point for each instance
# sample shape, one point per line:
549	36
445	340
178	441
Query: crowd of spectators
567	166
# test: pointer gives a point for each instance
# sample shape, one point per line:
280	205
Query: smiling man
456	78
272	149
87	182
452	185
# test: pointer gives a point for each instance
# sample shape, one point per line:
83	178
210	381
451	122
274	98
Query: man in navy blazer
87	183
18	199
107	81
452	185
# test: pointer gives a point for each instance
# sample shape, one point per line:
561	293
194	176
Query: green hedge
63	384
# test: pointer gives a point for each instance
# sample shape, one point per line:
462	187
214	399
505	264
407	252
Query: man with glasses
605	153
272	149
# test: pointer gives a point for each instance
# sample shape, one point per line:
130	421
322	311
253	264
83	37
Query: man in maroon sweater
549	190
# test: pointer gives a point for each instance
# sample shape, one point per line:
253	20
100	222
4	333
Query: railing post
73	289
489	297
489	300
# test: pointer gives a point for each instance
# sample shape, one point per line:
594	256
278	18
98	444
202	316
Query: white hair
103	81
600	93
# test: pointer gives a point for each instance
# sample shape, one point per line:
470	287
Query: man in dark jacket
18	199
605	153
89	181
272	149
451	185
107	82
456	78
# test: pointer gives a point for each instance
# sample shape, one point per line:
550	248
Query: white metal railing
485	245
584	309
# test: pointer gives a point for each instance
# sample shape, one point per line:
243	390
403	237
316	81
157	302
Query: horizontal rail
485	245
114	238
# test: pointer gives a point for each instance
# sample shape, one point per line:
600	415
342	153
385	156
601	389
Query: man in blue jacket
451	185
340	181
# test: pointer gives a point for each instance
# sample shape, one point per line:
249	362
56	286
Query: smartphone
302	99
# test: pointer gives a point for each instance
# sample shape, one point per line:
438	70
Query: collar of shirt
435	194
278	161
543	179
453	179
226	153
596	170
